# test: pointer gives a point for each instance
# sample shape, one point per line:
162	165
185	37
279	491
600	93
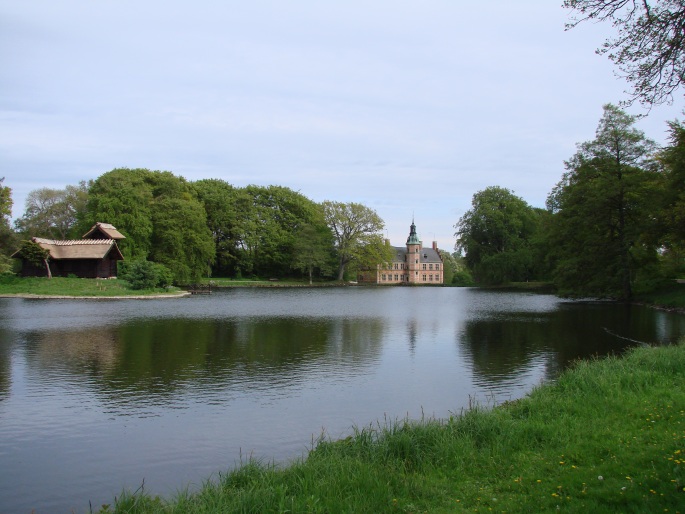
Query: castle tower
413	254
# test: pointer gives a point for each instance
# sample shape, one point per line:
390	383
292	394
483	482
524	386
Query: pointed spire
413	238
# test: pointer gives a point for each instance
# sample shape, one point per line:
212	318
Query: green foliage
54	213
671	233
357	235
34	253
600	230
496	235
463	278
180	239
272	221
7	236
123	197
141	274
220	201
161	217
255	229
649	46
605	437
312	250
5	202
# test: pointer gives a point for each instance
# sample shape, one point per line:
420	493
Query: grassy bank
60	286
255	282
608	436
669	297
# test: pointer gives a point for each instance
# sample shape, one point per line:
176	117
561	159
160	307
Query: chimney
435	246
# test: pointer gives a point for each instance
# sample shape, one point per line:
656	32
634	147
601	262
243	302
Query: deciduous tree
357	234
495	236
603	207
161	217
649	46
7	239
312	250
53	213
671	235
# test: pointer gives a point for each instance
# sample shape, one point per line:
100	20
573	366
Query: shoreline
29	296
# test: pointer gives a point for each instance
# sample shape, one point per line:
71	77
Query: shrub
463	278
143	274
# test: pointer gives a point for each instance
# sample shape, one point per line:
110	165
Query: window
417	261
396	265
437	266
383	276
430	266
430	278
397	277
424	278
424	266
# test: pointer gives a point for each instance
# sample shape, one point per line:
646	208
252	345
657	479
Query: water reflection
151	361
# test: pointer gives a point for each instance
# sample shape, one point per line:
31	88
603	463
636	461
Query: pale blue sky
407	107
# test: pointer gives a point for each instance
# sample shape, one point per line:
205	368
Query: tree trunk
47	267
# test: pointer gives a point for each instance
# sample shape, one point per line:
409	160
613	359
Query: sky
407	107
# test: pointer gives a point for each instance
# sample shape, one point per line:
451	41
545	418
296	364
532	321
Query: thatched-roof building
95	257
103	231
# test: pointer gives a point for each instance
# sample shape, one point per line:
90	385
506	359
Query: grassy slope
672	297
59	286
608	436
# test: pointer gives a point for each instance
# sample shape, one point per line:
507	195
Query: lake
100	395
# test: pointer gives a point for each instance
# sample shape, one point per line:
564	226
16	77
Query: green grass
607	436
61	286
257	282
671	296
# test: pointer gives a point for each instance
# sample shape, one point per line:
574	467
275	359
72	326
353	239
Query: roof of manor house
428	255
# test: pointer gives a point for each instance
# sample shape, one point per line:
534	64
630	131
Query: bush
463	278
145	274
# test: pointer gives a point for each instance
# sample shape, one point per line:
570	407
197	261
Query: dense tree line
614	224
193	230
7	239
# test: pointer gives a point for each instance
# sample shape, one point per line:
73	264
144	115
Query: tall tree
312	250
276	215
123	197
161	217
221	203
5	203
54	213
672	213
7	239
181	239
649	45
495	235
357	233
602	210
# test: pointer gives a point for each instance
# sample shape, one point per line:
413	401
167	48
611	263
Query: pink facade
412	264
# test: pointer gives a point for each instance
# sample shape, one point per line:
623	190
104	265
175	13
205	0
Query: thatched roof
79	248
109	231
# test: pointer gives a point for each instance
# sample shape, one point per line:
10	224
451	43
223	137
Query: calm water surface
96	396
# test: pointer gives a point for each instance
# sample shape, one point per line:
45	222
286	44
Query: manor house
412	264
